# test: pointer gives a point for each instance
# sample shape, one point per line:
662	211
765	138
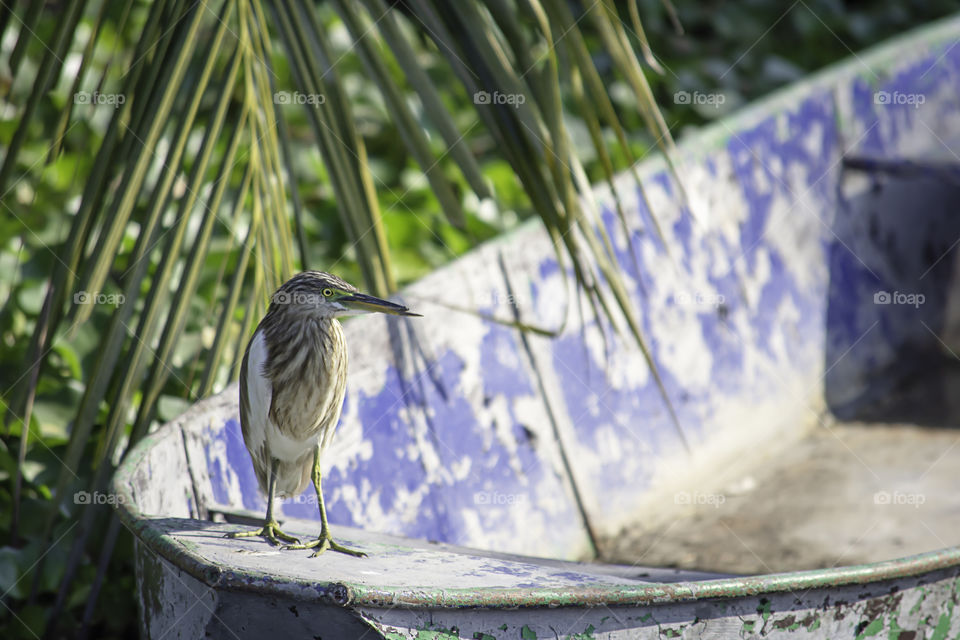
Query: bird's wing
256	393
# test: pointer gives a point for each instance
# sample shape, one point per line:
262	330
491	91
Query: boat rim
345	593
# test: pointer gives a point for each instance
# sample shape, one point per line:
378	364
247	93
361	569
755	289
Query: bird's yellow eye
327	292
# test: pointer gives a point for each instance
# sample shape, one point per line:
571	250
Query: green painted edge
890	53
346	593
660	593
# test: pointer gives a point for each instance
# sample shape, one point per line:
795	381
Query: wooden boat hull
779	302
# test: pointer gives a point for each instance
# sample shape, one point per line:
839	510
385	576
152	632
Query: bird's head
326	295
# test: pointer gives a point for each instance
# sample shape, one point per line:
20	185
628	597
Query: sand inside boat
879	487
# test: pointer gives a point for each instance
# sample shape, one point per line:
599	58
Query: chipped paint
456	430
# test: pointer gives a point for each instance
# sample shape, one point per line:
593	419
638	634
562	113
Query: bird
292	382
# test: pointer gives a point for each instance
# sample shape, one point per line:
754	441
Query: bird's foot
269	531
324	542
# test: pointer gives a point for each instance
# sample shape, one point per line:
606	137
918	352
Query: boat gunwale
345	593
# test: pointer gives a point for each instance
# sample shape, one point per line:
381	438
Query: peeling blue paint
795	260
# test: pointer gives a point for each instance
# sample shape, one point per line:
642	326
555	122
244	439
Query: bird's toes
292	545
287	539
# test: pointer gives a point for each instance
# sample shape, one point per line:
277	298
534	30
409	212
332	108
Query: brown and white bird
292	384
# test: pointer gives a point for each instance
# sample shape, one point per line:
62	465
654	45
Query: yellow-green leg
324	541
271	528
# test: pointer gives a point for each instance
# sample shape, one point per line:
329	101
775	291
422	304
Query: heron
292	382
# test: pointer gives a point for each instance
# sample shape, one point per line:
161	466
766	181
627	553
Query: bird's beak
363	302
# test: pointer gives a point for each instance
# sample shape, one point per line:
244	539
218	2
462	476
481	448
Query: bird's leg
324	541
271	528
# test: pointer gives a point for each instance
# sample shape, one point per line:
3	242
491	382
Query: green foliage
166	164
748	48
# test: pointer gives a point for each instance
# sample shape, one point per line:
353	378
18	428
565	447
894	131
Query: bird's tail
292	477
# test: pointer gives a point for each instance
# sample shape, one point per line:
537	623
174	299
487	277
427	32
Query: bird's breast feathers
290	413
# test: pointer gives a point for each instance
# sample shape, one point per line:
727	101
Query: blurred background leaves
166	164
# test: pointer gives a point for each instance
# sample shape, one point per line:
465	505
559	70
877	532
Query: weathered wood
786	295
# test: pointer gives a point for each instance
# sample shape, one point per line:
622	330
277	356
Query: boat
805	281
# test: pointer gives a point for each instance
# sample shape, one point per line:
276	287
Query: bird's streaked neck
301	341
299	326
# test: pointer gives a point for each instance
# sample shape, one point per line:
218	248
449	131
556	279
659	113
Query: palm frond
186	207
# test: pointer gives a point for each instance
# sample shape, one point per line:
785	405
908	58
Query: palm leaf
202	126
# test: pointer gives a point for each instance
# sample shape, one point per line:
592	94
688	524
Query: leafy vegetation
166	164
